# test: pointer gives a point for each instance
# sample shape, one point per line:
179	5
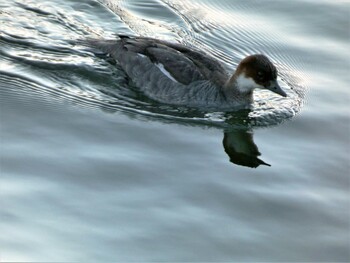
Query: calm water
91	170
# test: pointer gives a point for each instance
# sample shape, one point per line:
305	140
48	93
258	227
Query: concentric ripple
43	60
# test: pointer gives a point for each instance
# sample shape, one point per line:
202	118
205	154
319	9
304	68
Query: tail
104	45
104	48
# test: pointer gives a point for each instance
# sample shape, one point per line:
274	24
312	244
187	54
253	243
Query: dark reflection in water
240	147
238	140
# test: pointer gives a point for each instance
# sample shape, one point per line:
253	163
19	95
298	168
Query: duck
176	74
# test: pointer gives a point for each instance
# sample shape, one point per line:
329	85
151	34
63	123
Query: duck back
168	72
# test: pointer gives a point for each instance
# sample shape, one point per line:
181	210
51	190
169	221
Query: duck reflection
240	147
238	142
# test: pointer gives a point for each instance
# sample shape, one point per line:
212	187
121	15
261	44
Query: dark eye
260	75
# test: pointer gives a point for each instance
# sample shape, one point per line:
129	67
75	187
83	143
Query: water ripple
69	72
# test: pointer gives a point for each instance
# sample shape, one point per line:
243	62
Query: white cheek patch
165	72
245	84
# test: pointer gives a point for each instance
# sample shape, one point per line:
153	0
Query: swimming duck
175	74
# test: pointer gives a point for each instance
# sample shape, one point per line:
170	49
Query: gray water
91	170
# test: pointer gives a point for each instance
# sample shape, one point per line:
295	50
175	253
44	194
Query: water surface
91	170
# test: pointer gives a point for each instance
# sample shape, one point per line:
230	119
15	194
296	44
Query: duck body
179	75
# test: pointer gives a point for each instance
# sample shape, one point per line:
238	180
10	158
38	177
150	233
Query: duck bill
275	87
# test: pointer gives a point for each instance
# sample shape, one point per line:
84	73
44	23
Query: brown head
257	71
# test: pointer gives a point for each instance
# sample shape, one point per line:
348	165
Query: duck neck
237	88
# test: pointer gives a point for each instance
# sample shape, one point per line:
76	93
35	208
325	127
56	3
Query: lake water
91	170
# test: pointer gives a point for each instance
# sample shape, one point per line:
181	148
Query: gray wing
181	68
193	74
183	63
210	67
